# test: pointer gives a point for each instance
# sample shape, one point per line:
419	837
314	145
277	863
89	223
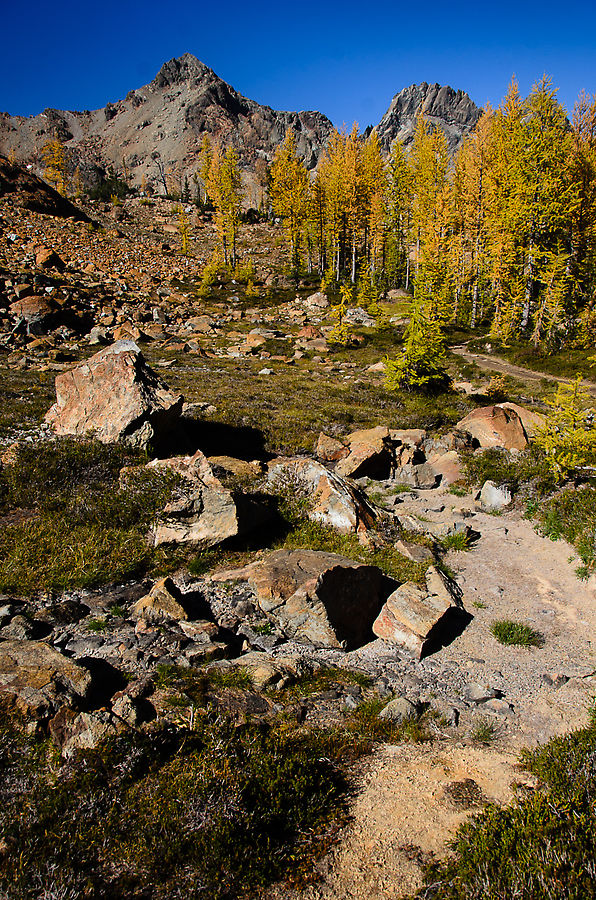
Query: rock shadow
213	439
449	627
106	680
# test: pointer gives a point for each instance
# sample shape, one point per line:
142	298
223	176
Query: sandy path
496	364
404	809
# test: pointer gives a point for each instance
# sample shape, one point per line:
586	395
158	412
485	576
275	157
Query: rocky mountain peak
185	68
452	111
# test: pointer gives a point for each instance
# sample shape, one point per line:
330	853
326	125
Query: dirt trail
410	798
497	364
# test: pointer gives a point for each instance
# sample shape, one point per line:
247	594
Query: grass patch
571	514
314	536
528	468
79	528
516	634
484	732
542	846
324	680
458	541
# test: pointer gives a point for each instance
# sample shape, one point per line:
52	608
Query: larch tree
289	193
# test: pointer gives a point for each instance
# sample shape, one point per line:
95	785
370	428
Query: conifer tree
569	436
223	184
54	157
420	365
289	192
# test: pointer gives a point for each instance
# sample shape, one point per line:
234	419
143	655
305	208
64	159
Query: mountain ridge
157	128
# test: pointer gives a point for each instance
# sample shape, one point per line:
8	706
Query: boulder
318	300
447	466
38	313
335	502
329	449
421	475
202	510
319	598
494	497
88	730
399	710
36	680
115	396
413	616
531	421
371	454
160	604
46	258
494	426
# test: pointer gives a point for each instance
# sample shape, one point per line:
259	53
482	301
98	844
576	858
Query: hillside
250	596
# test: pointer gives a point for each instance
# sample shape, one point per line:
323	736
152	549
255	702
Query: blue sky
346	59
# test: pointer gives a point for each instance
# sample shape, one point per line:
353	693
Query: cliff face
158	128
452	111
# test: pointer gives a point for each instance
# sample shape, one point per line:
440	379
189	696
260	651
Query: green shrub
571	514
213	812
516	634
530	468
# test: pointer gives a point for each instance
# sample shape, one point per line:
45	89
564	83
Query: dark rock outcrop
451	111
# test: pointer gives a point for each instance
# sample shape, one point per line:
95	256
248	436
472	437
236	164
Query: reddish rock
39	313
412	616
494	426
531	421
322	598
371	454
330	449
46	258
114	396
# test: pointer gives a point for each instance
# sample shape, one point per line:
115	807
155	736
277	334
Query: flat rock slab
114	396
320	598
36	680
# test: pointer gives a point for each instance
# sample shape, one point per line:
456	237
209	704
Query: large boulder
36	680
320	598
335	502
413	616
494	426
115	396
202	511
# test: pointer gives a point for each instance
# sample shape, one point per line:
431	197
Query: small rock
399	710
